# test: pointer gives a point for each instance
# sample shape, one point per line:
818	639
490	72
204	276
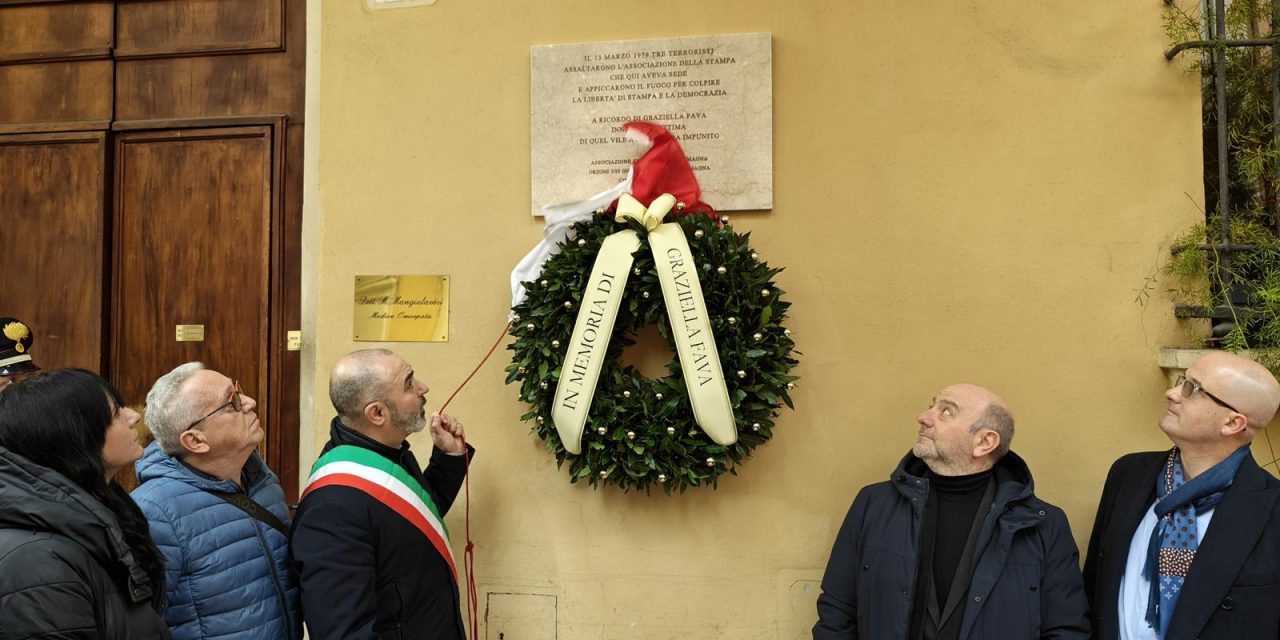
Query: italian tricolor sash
388	483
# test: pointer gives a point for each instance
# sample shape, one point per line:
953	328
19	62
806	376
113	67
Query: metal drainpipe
1224	198
1274	205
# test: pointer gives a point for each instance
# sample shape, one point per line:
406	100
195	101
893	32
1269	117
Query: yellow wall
964	190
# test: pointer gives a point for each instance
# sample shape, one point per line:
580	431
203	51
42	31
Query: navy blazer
1233	588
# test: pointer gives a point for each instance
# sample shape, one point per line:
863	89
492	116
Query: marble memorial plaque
714	93
401	309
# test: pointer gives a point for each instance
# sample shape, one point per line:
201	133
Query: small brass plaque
401	309
293	341
189	333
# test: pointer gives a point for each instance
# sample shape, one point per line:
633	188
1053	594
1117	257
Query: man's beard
409	421
925	452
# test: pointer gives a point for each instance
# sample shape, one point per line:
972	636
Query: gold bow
629	207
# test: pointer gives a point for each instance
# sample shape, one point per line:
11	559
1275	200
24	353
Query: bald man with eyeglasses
1186	543
217	513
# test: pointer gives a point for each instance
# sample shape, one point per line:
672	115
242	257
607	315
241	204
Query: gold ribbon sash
686	309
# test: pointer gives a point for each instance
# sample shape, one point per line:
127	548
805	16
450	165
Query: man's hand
447	434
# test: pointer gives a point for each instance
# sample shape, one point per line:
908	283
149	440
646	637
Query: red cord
469	555
473	371
469	558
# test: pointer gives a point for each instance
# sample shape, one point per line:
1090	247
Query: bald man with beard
369	545
1186	543
955	546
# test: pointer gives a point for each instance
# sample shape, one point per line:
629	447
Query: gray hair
356	381
999	420
168	411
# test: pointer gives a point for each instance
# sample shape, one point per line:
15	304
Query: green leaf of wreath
640	431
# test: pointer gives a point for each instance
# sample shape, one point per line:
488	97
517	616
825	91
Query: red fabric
664	169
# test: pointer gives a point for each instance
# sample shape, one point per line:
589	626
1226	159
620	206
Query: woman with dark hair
76	560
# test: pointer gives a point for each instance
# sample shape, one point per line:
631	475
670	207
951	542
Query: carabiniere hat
15	347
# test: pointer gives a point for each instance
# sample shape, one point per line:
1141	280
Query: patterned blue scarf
1174	541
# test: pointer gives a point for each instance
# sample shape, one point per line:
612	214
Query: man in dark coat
369	542
955	546
1200	522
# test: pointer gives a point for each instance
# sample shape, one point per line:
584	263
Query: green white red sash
388	483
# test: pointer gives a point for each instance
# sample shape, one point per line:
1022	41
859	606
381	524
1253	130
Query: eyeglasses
1189	387
235	402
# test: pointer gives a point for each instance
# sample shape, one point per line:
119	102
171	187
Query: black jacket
1026	574
1233	589
65	570
365	571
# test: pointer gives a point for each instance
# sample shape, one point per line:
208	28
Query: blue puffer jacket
227	573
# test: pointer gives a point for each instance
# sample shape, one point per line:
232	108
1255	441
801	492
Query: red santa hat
663	169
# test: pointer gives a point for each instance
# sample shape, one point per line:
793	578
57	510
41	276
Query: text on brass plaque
407	308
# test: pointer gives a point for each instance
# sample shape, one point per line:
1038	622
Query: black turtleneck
949	513
957	501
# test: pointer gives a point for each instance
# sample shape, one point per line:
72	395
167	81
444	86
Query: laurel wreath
641	431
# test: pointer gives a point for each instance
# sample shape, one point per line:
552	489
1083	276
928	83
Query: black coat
65	570
366	573
1233	589
1026	575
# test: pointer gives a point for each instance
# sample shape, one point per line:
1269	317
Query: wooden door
52	256
56	72
195	212
161	139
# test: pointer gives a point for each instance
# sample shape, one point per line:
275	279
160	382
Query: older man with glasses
216	511
1186	543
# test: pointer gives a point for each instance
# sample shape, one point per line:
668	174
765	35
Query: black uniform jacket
65	570
365	571
1233	588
